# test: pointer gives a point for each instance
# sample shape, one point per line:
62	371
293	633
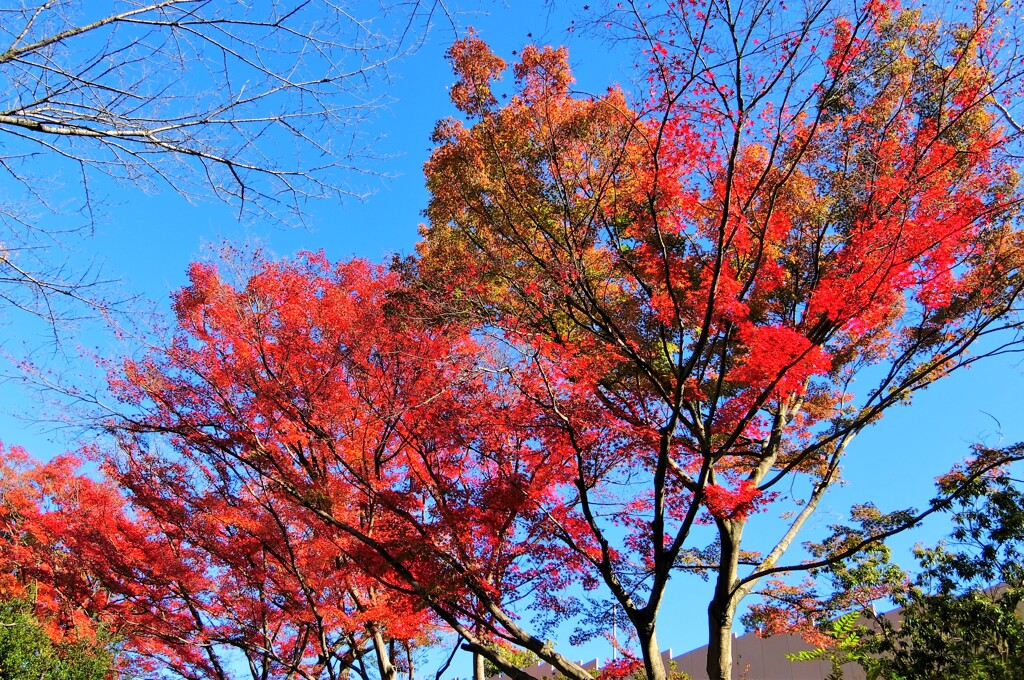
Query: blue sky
147	241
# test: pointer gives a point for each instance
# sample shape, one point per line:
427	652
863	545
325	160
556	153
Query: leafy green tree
961	617
520	658
28	653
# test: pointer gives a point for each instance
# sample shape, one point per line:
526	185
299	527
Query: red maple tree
337	389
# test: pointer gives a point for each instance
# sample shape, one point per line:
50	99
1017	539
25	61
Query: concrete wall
754	658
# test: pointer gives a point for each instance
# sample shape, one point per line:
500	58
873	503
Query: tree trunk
653	663
722	610
720	620
386	669
478	667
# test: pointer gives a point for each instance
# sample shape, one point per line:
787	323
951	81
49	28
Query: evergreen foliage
28	653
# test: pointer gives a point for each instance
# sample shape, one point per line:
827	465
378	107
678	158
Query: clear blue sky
148	240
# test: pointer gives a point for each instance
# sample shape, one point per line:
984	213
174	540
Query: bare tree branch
259	105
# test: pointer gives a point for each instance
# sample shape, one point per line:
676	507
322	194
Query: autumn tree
192	576
261	107
345	390
634	323
808	196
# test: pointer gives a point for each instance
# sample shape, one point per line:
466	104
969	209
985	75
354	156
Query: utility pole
615	634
